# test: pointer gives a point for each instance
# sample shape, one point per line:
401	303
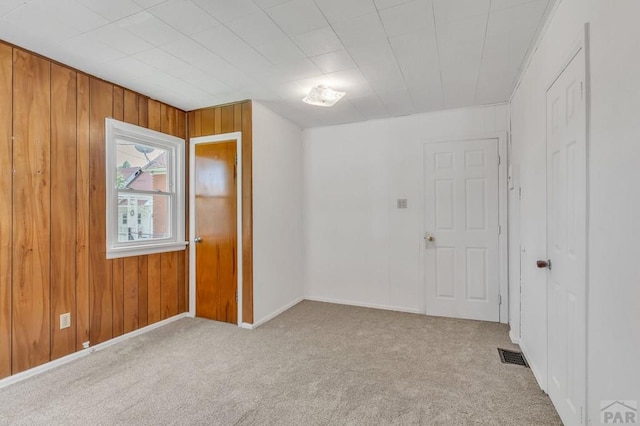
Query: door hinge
236	297
499	160
582	90
499	299
499	229
236	158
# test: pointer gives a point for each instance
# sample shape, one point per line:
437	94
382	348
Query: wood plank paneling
143	111
82	213
130	302
117	265
237	117
247	214
52	215
131	107
217	122
169	285
63	208
131	264
154	288
207	121
6	179
143	292
100	272
183	291
170	124
117	313
226	119
31	211
155	115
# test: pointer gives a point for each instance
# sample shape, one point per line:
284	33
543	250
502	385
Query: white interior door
462	276
566	241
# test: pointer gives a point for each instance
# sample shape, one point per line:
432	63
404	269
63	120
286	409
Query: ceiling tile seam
214	54
484	44
290	37
346	49
513	6
435	30
142	9
250	45
177	29
395	58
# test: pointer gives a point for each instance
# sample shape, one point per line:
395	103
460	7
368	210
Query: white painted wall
277	213
614	206
358	248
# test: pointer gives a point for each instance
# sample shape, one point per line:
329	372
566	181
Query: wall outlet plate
65	320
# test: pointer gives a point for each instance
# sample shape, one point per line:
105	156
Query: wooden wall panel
130	302
168	284
143	291
131	107
225	119
117	313
100	271
63	208
131	265
82	213
247	213
155	115
117	265
52	215
154	288
31	211
6	178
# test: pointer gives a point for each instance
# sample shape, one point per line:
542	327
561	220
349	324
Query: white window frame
175	147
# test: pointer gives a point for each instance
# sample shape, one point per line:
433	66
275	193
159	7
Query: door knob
197	240
429	238
542	264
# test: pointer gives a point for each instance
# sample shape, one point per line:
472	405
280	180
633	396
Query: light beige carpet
316	364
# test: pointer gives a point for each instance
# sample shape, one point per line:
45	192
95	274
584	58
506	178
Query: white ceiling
392	57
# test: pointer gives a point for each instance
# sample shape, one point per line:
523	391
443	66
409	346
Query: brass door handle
197	240
430	238
543	264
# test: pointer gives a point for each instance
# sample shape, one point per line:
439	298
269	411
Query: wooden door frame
235	137
503	237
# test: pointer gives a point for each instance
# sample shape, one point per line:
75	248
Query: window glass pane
141	167
143	217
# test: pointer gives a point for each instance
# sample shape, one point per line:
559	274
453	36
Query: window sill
146	249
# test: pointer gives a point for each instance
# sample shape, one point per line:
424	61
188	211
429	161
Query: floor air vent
512	357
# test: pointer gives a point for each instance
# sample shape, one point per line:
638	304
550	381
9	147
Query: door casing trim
225	137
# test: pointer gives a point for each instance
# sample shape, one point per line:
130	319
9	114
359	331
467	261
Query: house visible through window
145	191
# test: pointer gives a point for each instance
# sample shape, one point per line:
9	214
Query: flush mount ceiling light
323	96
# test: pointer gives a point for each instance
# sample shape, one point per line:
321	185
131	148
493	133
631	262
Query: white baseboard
365	305
272	315
514	338
534	367
80	354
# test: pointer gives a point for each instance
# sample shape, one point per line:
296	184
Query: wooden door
462	234
216	231
566	241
